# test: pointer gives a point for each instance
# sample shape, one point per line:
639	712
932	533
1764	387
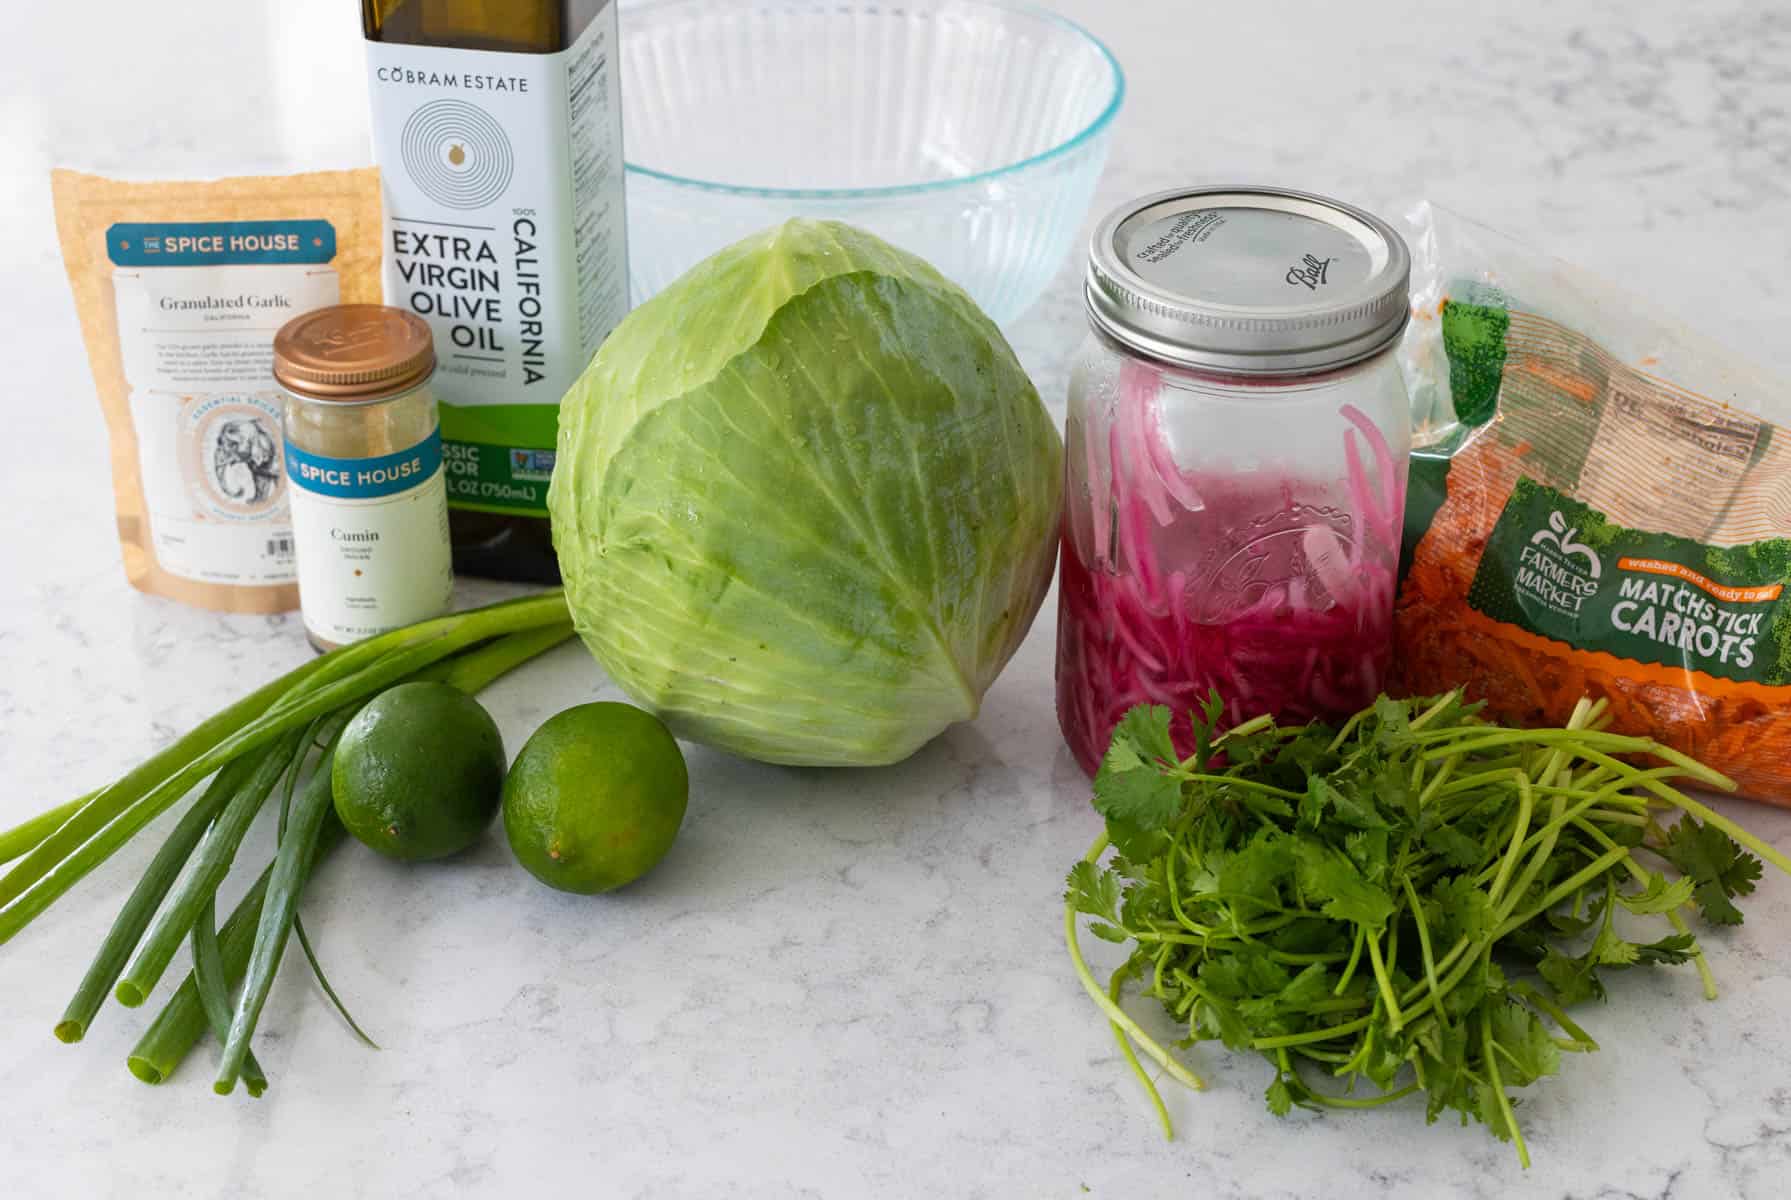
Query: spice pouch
1599	504
180	287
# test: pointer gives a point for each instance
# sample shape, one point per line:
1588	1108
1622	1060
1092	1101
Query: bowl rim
1087	134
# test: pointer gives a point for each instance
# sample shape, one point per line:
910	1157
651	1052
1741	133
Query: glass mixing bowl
970	132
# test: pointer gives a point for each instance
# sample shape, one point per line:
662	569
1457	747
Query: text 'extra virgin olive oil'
497	126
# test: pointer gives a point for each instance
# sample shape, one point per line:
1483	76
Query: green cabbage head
806	500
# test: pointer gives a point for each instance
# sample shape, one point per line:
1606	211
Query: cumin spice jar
364	461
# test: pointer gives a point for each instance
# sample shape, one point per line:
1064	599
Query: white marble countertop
839	985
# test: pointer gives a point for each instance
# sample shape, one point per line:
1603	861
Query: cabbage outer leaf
806	500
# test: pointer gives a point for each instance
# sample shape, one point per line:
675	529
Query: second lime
595	797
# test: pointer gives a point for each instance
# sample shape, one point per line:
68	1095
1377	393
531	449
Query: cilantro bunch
1411	901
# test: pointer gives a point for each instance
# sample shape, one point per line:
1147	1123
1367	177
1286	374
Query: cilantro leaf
1720	869
1657	895
1490	1112
1251	876
1574	979
1328	875
1279	1097
1460	909
1145	729
1443	1057
1453	846
1244	974
1205	724
1273	1010
1367	848
1096	893
1133	785
1612	951
1668	951
1351	808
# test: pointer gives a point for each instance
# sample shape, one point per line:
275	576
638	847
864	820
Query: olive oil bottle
497	126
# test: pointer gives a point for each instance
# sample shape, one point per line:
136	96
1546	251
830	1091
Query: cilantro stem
1323	1056
1326	1034
1468	783
1175	899
1289	956
1487	1051
1551	834
1697	954
1161	935
1255	724
1618	818
1582	1041
1525	802
1710	816
1098	994
1586	743
1349	727
1436	781
1442	704
1318	1097
1355	957
1125	1048
1585	875
1430	962
1384	982
1604	795
1249	785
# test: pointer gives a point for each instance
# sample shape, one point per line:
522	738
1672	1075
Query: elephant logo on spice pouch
246	461
230	457
1566	541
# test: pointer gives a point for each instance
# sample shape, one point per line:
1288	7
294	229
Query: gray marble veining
840	985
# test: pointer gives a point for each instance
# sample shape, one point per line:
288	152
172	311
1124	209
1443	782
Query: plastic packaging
1600	505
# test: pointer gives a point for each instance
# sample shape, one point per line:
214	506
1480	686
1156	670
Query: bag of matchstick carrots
1600	504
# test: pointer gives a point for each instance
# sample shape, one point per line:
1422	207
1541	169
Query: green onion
182	1022
292	865
23	838
214	991
117	812
210	866
144	899
298	925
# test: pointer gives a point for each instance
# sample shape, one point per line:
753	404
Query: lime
419	772
595	798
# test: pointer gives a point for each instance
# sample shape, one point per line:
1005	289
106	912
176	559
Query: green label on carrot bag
1562	570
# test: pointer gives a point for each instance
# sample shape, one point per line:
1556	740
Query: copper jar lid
353	352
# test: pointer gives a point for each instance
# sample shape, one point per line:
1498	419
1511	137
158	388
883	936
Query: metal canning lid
1248	280
353	352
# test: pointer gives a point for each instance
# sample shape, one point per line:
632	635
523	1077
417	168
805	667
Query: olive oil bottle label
503	182
372	539
197	304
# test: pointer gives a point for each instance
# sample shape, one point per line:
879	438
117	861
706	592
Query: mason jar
364	461
1235	463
